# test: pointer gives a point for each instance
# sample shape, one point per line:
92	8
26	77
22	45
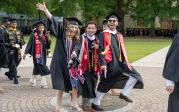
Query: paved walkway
23	98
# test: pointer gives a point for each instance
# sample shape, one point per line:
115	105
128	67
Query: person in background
37	48
170	73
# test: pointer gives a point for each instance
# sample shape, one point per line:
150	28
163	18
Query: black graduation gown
39	69
3	48
59	71
116	69
88	88
171	72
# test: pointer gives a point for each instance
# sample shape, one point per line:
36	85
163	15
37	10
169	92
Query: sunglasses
112	21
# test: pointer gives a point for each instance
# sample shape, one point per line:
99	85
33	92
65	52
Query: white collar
110	31
91	37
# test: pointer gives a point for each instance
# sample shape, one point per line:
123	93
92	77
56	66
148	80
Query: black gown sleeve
56	27
29	47
171	66
101	48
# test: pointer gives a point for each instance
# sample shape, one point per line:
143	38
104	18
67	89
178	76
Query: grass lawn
136	47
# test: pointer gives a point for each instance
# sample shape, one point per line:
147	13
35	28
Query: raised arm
53	23
43	8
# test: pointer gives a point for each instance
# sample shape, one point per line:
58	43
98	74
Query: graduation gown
171	72
116	69
39	69
4	60
88	87
59	71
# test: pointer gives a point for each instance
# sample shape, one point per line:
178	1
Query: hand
70	62
103	68
41	7
96	46
17	46
170	89
130	67
24	56
73	55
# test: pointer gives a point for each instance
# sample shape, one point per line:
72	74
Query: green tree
148	10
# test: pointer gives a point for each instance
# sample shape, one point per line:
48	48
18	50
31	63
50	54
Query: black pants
12	65
173	101
88	88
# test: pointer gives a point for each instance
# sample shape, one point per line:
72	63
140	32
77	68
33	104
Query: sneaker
33	82
44	84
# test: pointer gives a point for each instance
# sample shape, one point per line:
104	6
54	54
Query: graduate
15	43
37	48
91	63
4	44
72	44
120	74
67	35
171	74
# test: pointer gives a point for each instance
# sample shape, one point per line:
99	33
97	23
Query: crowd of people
132	32
89	65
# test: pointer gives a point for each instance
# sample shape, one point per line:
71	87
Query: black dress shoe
18	76
127	99
96	107
10	77
16	81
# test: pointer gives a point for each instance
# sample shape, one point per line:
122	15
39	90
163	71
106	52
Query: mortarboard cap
39	22
113	15
73	21
5	19
13	20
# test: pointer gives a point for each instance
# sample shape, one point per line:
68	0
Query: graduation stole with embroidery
14	38
38	47
108	52
84	57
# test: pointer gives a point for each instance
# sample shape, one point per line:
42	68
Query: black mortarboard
5	19
39	22
73	21
113	15
13	20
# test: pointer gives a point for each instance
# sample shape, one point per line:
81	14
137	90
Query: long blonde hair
76	36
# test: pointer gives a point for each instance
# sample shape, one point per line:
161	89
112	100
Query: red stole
84	58
38	47
108	51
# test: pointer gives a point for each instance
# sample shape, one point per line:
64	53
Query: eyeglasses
112	21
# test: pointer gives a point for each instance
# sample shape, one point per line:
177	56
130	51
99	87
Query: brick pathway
23	98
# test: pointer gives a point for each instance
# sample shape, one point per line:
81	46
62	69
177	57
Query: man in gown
120	74
171	74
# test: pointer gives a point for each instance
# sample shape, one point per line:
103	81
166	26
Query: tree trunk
152	29
120	12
